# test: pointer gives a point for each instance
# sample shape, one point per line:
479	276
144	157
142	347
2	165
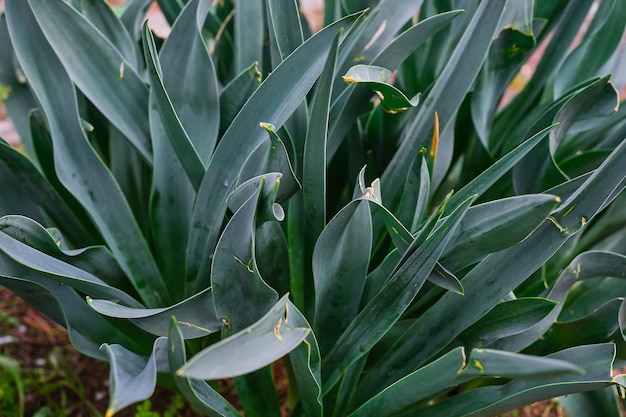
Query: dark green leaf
190	79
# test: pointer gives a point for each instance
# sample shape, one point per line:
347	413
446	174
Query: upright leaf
86	177
340	264
100	71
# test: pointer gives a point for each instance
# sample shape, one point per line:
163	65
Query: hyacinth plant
362	206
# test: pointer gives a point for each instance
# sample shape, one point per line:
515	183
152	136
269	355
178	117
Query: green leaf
241	296
96	260
190	79
453	369
236	93
378	79
440	324
257	393
278	161
340	264
391	56
133	378
587	265
63	272
305	226
104	19
506	56
291	81
595	360
86	177
486	179
46	196
199	394
570	20
98	69
414	201
191	323
134	12
262	343
600	326
171	9
306	365
185	149
249	31
171	205
447	93
602	402
385	309
285	28
496	225
600	43
506	319
87	329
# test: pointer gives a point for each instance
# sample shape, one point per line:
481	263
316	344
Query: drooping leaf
595	360
252	348
452	369
496	225
378	79
195	316
133	378
507	318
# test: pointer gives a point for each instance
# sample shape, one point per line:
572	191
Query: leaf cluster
197	207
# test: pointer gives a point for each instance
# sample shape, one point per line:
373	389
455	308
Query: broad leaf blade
133	378
195	316
262	343
186	151
340	264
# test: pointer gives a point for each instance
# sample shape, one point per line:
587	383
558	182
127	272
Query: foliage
11	387
197	208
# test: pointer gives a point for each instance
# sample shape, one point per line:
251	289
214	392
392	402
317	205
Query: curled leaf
379	79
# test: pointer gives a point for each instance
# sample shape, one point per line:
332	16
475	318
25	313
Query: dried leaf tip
435	141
